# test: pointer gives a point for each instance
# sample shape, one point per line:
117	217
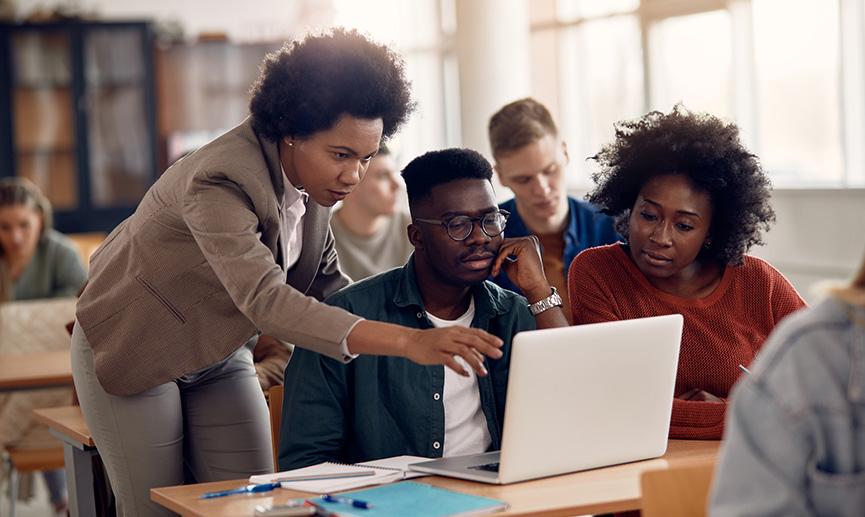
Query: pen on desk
320	511
357	503
745	369
249	489
332	475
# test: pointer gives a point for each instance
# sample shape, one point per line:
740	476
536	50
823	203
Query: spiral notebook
386	470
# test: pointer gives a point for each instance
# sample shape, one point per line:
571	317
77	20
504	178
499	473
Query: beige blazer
198	269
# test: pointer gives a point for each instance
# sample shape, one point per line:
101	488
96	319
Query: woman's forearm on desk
697	420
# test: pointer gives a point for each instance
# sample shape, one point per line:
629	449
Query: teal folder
415	499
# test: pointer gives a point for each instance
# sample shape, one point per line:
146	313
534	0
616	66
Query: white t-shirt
465	424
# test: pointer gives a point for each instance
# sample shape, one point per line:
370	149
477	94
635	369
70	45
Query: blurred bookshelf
79	116
203	90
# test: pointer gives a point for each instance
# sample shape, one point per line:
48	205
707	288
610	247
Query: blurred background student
794	443
36	262
369	229
531	159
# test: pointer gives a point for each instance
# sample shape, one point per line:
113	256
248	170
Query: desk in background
35	370
609	489
67	425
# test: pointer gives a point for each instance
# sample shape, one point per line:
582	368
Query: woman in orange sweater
690	201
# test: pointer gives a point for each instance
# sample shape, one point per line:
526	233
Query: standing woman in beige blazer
233	241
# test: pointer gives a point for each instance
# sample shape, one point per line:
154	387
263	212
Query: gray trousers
211	425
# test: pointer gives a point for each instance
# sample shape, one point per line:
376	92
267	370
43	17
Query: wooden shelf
44	150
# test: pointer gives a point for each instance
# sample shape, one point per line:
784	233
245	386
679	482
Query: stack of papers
332	477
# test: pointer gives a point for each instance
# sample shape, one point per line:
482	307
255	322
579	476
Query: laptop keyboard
489	467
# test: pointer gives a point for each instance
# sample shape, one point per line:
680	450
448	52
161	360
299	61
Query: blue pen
357	503
249	489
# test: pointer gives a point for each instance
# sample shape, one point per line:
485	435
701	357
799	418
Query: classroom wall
819	236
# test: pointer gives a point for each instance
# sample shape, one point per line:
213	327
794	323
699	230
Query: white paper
387	470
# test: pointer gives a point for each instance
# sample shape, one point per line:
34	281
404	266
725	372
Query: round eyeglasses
459	227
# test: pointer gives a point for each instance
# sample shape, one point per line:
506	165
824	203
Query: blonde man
531	160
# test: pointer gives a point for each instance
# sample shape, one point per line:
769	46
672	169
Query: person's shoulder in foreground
792	446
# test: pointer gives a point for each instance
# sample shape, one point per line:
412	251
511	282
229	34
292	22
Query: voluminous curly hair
709	153
307	85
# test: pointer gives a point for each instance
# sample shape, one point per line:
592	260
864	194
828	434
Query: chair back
274	400
676	492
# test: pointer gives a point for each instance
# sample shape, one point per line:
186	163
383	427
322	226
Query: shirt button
437	445
436	396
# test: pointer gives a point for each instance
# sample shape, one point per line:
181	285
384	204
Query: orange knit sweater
722	330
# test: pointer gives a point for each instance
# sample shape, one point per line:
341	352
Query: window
690	62
604	82
798	92
420	31
790	74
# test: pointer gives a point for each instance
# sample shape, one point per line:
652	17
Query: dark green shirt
375	406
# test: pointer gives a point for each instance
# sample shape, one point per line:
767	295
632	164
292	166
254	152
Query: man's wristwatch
553	300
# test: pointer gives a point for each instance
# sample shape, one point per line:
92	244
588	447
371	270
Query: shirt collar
518	227
488	301
292	194
573	220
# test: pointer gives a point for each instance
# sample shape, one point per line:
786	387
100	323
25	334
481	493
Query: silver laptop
579	398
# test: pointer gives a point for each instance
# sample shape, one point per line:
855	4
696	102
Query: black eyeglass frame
471	220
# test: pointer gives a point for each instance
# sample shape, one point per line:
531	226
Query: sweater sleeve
697	419
785	298
589	301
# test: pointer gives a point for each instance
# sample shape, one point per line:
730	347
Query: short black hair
307	85
439	167
706	150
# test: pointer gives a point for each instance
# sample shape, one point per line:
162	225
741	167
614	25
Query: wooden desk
67	425
610	489
35	370
86	244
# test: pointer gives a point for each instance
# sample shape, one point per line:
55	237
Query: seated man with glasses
376	407
531	160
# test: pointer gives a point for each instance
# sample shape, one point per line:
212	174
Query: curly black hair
307	85
709	153
438	167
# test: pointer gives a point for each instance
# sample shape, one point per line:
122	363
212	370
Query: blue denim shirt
586	228
376	407
795	441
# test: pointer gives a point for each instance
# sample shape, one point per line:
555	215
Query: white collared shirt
292	210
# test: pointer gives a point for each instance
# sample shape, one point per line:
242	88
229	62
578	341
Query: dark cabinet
78	116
